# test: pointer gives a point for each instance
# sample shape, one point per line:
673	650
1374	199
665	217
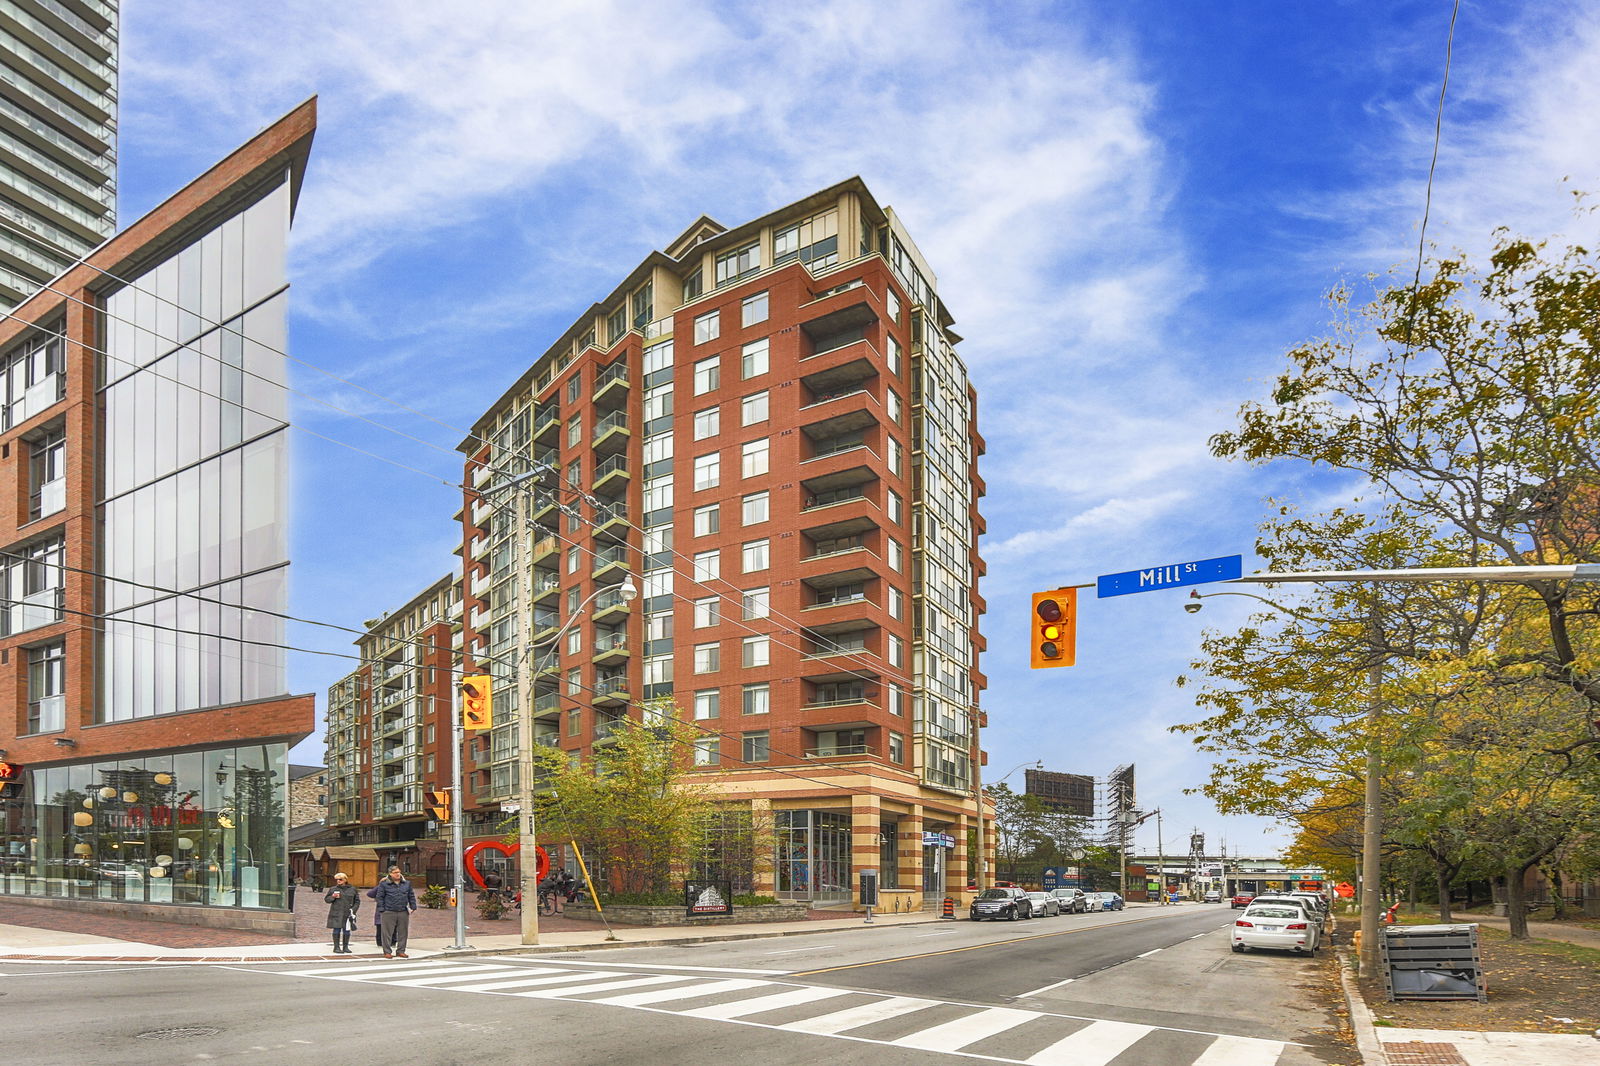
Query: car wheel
1011	915
1238	949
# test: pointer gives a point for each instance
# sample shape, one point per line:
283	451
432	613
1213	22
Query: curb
1367	1042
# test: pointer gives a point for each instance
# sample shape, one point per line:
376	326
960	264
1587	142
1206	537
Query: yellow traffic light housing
1054	629
439	805
477	702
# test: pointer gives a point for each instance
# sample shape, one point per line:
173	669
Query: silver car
1072	900
1043	905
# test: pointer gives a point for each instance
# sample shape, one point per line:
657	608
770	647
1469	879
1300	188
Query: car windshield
995	893
1062	892
1272	912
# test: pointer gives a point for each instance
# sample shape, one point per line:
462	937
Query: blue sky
1133	211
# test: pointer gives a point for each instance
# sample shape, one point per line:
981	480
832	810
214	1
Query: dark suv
1009	903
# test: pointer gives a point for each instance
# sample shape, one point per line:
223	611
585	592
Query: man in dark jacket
396	900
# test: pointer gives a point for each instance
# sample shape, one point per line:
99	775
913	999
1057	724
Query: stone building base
271	923
634	914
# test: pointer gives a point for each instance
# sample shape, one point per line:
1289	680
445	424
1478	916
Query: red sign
470	856
1344	890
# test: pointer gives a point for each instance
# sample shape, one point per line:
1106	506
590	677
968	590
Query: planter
636	914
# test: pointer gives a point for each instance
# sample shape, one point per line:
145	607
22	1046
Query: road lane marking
739	1009
1240	1051
963	1031
1046	988
386	971
1094	1045
437	980
1147	954
855	1017
791	951
523	982
598	986
666	995
663	966
943	932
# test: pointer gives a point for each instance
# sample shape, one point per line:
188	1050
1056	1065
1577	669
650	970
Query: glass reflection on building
199	827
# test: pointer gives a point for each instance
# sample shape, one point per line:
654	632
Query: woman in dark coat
343	901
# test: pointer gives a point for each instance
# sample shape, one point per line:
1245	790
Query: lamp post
1371	820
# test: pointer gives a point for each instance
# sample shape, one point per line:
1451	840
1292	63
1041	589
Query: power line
1427	200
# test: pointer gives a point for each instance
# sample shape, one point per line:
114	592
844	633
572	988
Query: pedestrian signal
477	702
439	804
1054	628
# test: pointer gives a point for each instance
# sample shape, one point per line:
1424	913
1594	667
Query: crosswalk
999	1034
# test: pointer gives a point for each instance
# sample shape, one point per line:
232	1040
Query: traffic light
439	805
477	702
1054	628
10	781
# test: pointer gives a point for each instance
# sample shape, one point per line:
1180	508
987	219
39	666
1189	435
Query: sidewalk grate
1423	1053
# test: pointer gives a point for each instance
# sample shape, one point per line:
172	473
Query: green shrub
434	897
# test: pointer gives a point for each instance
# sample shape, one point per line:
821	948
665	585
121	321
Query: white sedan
1275	925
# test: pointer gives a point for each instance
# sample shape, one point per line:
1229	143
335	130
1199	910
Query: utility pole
1161	859
528	843
1371	822
458	806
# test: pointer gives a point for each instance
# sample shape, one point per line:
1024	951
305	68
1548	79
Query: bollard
949	908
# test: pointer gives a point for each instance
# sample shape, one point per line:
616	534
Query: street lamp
527	842
1371	823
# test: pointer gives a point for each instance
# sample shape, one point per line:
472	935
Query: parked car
1243	899
1072	900
1212	896
1278	926
1310	910
1043	905
1104	901
1008	902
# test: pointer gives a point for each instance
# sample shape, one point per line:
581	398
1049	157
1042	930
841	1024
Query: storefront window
813	856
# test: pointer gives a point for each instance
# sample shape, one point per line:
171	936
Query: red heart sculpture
470	858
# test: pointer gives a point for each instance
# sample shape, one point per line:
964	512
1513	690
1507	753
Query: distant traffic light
439	805
477	702
1054	628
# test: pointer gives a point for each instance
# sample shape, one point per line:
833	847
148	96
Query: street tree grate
182	1032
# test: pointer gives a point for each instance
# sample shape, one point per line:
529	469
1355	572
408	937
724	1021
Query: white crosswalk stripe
1029	1038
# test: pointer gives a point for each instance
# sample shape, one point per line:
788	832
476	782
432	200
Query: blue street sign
1171	576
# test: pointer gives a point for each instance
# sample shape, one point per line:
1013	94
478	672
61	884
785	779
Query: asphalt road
1148	987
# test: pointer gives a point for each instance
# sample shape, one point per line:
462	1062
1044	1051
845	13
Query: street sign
1170	576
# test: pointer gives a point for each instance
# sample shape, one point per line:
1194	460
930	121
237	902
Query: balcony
840	371
839	318
830	487
946	779
545	623
610	605
832	751
546	705
829	425
610	563
611	386
610	648
544	548
607	728
611	689
545	586
546	423
611	520
611	476
611	433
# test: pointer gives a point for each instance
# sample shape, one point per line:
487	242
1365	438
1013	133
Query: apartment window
575	681
431	736
756	699
575	472
657	494
707	520
707	471
574	431
753	359
707	704
897	651
657	357
893	406
707	566
707	612
643	305
896	555
895	453
897	749
753	458
574	721
708	327
47	691
706	753
47	474
707	658
739	263
755	746
574	640
707	375
753	409
575	387
894	356
756	556
756	651
814	241
753	309
692	285
31	582
574	599
32	377
573	559
757	603
707	423
617	324
897	603
892	301
896	508
755	508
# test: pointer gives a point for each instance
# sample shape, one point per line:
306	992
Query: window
707	520
889	854
707	471
692	285
892	301
894	357
707	423
814	241
574	431
575	472
707	658
753	458
756	651
574	599
753	310
575	640
47	475
893	406
753	359
707	565
707	375
575	387
572	560
575	681
896	508
756	699
707	612
755	509
896	555
657	357
756	556
708	327
657	494
897	651
897	749
706	753
755	746
753	409
617	325
47	680
757	603
643	305
707	704
895	453
897	603
31	583
739	263
574	721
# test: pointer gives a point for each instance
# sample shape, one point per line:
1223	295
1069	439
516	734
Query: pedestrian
343	901
396	900
566	890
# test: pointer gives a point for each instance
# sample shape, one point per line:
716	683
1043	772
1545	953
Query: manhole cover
182	1032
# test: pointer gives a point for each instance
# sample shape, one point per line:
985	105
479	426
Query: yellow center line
969	947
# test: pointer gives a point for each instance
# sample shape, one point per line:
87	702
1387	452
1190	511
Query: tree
1016	827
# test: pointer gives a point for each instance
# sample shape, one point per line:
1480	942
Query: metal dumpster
1436	962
